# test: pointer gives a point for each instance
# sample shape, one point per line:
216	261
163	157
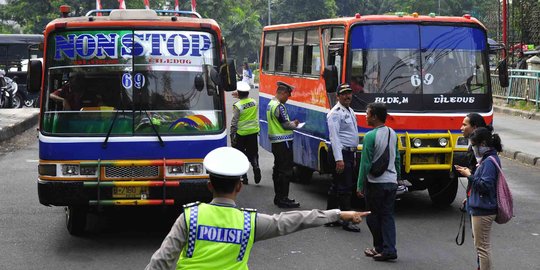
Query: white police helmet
226	162
242	86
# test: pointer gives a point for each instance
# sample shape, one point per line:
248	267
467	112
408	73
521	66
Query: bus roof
131	18
378	19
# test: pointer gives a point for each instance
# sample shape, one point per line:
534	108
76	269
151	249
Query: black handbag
379	166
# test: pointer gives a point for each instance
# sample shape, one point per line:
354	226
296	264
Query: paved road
33	236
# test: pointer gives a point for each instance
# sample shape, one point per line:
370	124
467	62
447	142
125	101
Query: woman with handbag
482	191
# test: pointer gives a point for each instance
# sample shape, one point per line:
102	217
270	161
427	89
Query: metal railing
523	85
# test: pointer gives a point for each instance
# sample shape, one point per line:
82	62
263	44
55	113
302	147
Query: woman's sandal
370	252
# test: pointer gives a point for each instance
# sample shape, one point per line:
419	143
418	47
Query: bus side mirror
199	82
330	76
34	76
227	75
503	73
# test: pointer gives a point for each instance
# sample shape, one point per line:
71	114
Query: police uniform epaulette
189	205
248	209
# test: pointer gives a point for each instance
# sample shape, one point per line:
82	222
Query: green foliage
242	21
288	11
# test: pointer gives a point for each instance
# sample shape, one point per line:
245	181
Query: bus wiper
154	128
104	144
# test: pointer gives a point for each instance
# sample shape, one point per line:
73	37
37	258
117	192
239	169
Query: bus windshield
419	67
130	83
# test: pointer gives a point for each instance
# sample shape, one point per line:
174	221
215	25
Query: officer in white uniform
184	249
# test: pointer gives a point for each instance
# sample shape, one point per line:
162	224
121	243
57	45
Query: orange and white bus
430	71
132	101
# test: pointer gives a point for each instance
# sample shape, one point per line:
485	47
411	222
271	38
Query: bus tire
443	189
76	219
302	174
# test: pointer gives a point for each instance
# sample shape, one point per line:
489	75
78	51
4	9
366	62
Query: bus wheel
302	174
443	188
76	219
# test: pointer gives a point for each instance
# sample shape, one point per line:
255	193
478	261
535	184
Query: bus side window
269	52
283	53
312	56
297	55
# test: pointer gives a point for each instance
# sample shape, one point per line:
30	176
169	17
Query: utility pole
269	14
439	7
504	28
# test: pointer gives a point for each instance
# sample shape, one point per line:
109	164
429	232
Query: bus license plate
128	192
422	160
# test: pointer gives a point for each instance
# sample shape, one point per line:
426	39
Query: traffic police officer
280	134
343	131
220	236
245	128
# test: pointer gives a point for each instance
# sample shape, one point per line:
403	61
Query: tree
289	11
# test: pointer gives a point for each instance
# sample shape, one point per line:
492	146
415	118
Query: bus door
333	44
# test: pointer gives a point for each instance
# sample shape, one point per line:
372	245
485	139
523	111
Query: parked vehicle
8	96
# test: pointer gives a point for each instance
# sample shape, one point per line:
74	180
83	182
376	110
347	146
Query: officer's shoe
350	227
276	200
245	180
283	203
257	175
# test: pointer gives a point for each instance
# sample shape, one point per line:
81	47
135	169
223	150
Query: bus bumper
90	193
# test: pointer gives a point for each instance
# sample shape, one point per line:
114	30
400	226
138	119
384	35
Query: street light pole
439	7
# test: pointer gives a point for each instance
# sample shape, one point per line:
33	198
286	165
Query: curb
515	112
7	132
522	157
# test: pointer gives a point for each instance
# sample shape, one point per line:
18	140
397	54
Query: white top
243	86
226	161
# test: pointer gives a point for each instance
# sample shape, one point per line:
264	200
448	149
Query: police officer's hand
296	122
340	165
359	194
353	216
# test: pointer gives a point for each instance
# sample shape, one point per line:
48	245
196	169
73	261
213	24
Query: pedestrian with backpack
481	201
377	182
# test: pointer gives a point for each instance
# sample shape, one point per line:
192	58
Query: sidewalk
519	130
15	121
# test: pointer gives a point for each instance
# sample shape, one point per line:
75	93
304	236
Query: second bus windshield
412	60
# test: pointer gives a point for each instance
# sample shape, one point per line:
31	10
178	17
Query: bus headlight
88	170
176	169
69	169
443	142
417	142
462	141
194	168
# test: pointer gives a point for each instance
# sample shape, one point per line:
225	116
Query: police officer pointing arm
218	235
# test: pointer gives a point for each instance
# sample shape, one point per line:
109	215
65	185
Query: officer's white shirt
266	227
343	129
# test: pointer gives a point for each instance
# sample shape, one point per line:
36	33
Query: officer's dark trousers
248	145
380	199
339	194
283	166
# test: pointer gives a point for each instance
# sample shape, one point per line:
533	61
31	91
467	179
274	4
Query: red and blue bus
141	104
430	71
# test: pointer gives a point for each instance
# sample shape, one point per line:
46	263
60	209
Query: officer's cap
226	162
344	87
242	86
284	86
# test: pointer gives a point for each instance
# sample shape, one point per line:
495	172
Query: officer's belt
350	149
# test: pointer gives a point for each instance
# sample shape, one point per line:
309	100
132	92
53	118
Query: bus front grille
132	172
